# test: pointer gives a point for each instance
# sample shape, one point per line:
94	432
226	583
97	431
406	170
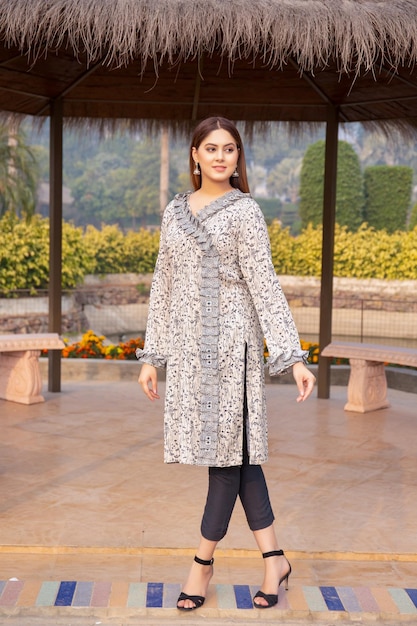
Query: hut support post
55	241
329	219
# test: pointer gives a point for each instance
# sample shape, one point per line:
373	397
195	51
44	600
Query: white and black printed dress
214	298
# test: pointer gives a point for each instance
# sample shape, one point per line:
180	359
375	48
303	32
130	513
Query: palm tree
19	172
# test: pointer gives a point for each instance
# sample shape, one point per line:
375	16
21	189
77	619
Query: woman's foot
195	589
277	568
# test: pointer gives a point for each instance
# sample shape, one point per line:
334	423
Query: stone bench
20	376
367	388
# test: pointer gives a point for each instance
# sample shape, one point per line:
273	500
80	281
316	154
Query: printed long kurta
214	298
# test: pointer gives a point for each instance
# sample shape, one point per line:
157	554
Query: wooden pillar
329	220
55	240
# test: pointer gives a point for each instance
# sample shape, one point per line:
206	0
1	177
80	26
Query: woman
214	298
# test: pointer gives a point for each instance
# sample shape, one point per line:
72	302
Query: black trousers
225	484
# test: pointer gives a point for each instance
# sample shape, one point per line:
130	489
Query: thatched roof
354	32
183	59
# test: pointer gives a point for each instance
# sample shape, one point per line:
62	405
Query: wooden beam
55	240
329	220
71	86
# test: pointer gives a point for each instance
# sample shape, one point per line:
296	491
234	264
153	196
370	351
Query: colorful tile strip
16	593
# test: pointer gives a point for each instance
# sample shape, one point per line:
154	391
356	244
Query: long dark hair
203	129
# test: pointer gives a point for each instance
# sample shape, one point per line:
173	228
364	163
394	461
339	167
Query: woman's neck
205	195
214	190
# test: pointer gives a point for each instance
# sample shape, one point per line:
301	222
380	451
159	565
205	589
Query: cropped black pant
225	484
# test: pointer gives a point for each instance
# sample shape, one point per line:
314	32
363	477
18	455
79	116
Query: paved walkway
96	529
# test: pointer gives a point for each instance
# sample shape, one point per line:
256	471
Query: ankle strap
273	553
202	562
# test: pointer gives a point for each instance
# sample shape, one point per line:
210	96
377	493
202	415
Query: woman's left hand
305	380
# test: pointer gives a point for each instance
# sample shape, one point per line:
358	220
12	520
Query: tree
388	196
124	191
19	173
284	179
349	192
98	191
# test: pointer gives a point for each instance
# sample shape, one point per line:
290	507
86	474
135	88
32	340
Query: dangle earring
235	173
196	170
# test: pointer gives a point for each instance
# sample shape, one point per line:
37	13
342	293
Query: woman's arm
157	327
268	298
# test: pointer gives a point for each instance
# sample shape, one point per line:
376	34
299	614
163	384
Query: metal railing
354	318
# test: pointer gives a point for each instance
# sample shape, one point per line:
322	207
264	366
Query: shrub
24	253
349	193
413	218
106	249
387	196
282	244
141	251
306	258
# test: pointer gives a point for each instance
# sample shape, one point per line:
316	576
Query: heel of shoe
286	577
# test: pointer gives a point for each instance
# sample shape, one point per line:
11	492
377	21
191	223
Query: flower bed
92	346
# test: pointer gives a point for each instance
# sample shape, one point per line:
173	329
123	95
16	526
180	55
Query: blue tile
154	595
413	595
331	598
65	593
243	597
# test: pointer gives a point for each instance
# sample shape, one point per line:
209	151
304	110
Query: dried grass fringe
356	32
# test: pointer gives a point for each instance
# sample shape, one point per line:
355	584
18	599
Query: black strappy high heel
272	598
198	600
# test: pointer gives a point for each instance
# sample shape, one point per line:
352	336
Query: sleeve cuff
151	358
280	364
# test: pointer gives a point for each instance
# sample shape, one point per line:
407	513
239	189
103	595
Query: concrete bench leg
367	388
20	377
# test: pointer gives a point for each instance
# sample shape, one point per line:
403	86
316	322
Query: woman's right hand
148	380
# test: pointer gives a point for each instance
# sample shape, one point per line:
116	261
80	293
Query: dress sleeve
155	349
274	314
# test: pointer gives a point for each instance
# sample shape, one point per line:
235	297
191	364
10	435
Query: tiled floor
92	521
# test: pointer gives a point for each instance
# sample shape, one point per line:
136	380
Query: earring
196	170
235	173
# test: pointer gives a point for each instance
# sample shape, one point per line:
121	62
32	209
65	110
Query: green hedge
24	252
349	192
387	196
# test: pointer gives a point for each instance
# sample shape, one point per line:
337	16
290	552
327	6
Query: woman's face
217	156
